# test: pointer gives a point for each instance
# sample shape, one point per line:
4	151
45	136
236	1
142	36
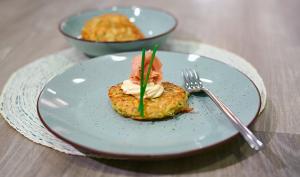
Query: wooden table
267	33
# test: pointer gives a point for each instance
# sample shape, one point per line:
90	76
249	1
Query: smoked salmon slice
156	70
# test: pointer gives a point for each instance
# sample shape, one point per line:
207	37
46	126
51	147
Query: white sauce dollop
152	90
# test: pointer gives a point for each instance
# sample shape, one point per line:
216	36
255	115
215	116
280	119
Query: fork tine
186	75
191	75
186	79
193	79
196	74
198	78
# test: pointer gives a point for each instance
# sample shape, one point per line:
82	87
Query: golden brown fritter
110	28
174	100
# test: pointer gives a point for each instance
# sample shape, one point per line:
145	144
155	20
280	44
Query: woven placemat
19	96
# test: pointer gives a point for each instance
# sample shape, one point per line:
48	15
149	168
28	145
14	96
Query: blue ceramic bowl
155	24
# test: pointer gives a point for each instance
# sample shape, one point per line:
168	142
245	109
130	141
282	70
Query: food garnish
143	83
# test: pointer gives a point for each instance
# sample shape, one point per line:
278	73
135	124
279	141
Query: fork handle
245	132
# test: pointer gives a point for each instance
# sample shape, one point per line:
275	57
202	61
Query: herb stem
143	83
141	104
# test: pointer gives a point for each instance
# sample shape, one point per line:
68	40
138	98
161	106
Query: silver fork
193	84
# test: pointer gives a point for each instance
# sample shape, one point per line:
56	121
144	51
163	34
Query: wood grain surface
266	33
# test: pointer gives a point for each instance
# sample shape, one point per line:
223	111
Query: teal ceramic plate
75	107
155	24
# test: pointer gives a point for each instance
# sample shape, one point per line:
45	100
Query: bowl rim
60	25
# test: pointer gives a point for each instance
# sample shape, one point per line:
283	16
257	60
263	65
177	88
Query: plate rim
109	155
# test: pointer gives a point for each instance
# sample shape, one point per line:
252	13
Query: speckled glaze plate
75	107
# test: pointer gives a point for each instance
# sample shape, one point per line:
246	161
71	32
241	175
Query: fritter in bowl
110	28
174	100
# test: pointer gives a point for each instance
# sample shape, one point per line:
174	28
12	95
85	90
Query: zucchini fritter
110	28
174	100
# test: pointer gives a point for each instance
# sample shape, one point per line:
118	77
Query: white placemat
19	96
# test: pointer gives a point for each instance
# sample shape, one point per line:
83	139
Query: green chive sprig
141	105
143	83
